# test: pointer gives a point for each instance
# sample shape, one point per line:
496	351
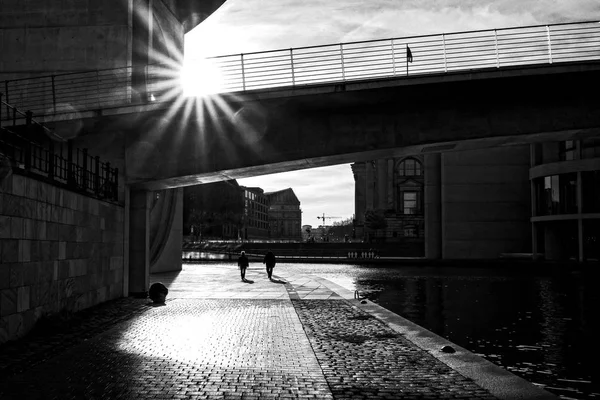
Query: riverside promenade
296	337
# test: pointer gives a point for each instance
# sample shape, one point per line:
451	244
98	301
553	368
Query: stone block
16	228
40	230
55	270
31	273
28	231
64	267
19	185
27	208
24	250
5	227
101	294
31	188
67	233
52	229
10	250
10	205
17	271
102	223
36	250
29	319
62	250
8	304
4	276
59	197
23	294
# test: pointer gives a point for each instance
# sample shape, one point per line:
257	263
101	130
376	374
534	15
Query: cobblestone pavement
220	338
362	358
190	348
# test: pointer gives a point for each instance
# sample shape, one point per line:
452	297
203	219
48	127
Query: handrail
28	115
311	65
76	170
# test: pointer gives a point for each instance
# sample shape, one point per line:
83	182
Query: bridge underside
170	145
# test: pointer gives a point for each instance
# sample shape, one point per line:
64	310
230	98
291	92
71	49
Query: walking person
270	261
243	264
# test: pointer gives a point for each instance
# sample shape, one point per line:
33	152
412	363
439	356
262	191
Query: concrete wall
486	203
58	251
41	37
167	35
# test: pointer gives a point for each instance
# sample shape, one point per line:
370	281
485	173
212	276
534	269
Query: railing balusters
342	61
444	46
393	59
496	45
549	44
243	73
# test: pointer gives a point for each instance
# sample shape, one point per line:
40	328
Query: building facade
565	183
539	200
255	217
213	211
285	215
389	199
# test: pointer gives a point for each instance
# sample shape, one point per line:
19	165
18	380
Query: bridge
321	105
273	111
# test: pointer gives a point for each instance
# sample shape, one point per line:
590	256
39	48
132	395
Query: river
541	325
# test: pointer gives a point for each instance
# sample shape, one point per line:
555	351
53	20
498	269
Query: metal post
116	189
243	73
496	44
97	174
85	170
53	95
444	45
292	62
549	44
70	162
393	59
27	160
342	60
51	160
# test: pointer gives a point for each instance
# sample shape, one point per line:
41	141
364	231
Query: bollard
158	292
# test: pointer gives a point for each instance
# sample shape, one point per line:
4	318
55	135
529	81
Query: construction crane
324	217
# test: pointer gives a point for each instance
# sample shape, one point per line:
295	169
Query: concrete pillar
139	241
433	206
370	188
382	184
580	255
172	240
534	155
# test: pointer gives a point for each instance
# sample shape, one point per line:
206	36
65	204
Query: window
411	231
558	194
566	150
410	203
410	167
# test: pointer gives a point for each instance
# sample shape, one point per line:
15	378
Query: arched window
410	167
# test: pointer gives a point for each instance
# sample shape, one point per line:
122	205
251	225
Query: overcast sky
243	26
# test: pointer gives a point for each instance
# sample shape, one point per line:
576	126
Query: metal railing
61	165
373	59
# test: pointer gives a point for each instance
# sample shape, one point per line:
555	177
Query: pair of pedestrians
269	261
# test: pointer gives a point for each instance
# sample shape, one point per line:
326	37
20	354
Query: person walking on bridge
270	261
243	264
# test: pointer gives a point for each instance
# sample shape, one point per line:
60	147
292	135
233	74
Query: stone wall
59	251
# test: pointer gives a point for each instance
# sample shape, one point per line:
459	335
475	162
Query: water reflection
539	325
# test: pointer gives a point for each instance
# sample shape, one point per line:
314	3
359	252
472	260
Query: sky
243	26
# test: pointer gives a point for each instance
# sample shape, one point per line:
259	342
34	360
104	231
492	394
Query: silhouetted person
270	261
243	264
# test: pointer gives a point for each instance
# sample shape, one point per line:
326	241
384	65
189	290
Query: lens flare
200	78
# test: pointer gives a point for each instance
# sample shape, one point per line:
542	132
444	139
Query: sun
201	78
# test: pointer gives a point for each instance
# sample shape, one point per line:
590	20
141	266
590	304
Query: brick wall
58	251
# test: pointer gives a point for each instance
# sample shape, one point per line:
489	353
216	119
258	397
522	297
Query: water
539	325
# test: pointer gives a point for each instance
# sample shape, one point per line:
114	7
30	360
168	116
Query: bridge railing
373	59
59	164
408	56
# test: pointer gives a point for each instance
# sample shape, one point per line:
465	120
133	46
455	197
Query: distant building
212	210
285	216
255	217
306	232
542	198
